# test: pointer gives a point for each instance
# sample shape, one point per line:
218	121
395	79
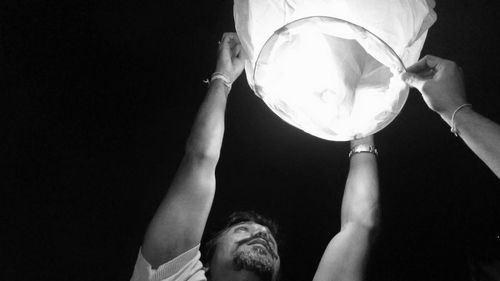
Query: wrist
219	86
219	81
459	117
363	148
229	74
222	76
447	114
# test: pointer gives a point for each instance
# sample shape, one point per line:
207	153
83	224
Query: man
246	249
441	84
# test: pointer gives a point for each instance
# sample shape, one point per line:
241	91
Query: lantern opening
316	74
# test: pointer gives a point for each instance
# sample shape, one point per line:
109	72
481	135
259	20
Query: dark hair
234	219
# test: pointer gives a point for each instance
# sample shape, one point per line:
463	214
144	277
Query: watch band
363	148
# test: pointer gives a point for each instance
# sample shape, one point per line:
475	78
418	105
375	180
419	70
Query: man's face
248	246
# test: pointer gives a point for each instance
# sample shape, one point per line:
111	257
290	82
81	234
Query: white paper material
329	77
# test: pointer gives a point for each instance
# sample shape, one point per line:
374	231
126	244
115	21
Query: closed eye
241	228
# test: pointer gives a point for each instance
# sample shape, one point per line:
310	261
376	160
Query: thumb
412	79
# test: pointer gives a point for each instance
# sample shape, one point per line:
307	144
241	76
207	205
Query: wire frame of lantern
330	78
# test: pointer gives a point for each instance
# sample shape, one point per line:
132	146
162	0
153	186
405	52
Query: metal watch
363	148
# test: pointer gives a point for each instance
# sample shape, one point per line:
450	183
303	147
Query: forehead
250	224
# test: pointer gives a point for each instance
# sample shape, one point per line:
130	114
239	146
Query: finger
241	53
432	61
224	41
225	36
419	66
427	74
413	80
224	50
426	65
230	37
235	37
237	50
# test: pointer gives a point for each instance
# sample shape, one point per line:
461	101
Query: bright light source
328	76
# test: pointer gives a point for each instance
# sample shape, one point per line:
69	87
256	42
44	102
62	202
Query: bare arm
441	84
346	255
178	224
481	135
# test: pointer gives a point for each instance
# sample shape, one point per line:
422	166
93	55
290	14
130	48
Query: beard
255	260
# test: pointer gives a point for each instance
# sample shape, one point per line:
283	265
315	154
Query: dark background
99	97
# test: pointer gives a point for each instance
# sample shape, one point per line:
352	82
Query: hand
231	57
441	83
368	140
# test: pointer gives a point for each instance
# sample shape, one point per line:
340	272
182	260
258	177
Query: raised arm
346	255
441	84
178	224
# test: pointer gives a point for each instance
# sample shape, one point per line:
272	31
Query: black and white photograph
250	140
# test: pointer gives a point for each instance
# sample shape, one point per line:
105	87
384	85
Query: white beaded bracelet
225	80
453	126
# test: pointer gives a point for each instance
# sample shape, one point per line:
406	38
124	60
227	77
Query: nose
259	229
262	232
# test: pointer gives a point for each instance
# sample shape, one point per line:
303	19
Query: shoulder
185	267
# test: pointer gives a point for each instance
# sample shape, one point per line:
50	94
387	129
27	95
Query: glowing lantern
332	67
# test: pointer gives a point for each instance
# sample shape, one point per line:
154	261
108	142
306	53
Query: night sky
99	99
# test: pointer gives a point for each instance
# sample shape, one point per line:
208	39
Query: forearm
360	203
205	139
179	222
346	255
180	219
481	135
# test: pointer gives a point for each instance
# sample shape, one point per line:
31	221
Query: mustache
263	236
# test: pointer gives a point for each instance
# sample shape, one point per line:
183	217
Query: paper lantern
332	68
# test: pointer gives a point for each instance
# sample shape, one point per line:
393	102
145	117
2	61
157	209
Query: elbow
372	219
368	232
371	225
201	154
368	219
373	228
367	227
